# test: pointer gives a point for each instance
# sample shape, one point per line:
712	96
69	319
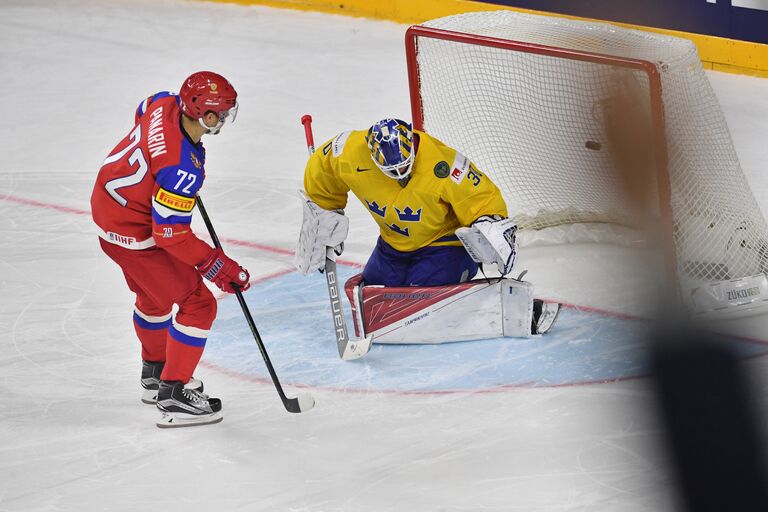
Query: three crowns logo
397	229
408	215
375	208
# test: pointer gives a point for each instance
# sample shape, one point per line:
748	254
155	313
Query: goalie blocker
479	309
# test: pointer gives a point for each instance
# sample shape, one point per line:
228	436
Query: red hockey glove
224	272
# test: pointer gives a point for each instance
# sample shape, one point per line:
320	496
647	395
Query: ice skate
184	407
544	316
150	381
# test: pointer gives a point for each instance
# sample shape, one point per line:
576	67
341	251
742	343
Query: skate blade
548	317
177	420
149	396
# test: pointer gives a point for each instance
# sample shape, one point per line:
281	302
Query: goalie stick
348	348
304	401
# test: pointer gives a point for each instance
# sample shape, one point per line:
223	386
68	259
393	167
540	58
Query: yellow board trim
717	53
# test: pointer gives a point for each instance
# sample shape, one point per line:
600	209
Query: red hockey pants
159	281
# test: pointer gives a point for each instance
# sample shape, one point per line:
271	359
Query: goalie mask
391	145
204	92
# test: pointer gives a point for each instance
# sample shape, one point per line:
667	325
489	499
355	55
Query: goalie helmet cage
526	97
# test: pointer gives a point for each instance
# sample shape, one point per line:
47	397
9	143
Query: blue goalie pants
428	266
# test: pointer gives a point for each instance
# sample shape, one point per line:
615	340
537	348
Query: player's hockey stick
304	401
348	349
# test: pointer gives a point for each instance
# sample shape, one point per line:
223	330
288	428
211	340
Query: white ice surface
73	434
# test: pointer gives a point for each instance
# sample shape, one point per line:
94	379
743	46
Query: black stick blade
302	403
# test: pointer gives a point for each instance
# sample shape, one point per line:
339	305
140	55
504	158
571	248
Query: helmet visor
229	115
397	171
224	116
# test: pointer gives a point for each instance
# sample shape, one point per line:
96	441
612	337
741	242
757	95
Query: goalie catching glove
319	229
491	239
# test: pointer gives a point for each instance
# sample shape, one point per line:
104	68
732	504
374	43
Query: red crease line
230	241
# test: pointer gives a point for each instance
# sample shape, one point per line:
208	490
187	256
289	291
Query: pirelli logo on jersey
175	201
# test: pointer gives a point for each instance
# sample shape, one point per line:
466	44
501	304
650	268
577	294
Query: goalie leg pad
353	289
319	229
481	309
517	307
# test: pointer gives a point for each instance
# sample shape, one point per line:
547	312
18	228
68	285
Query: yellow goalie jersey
446	191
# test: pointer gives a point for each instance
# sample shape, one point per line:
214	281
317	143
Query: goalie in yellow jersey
438	214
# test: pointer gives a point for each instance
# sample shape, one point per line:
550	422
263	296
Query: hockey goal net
536	102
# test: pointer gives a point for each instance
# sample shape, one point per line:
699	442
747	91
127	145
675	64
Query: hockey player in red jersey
142	204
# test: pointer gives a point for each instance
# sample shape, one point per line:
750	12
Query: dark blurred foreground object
629	129
711	426
703	394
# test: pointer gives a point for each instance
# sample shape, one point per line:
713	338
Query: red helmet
206	91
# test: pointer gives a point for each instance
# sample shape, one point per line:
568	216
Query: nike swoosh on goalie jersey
361	170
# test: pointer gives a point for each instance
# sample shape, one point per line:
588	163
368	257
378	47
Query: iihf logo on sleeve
121	239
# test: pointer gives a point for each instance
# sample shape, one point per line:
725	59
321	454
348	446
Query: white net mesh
536	124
